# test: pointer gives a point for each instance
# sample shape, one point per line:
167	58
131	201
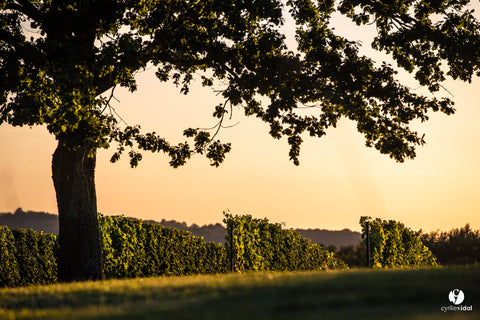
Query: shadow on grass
354	294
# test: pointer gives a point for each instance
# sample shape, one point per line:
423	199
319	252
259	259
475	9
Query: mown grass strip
352	294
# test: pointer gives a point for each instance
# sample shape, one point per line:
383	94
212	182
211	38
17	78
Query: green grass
351	294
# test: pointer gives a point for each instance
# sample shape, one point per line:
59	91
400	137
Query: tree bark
80	252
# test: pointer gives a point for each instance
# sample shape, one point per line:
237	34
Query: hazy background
338	180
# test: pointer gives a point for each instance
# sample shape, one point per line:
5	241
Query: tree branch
27	8
103	84
23	49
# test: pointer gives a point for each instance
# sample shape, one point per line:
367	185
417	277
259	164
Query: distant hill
41	221
340	238
38	221
211	233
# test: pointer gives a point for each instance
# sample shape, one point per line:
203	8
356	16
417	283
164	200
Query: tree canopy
77	51
61	60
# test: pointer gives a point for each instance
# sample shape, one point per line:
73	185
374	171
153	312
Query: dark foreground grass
352	294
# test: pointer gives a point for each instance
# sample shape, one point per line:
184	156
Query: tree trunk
80	253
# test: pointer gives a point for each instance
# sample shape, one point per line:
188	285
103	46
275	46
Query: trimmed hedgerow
130	249
27	257
256	244
134	249
394	245
9	271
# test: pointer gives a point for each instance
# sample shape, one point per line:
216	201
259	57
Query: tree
458	246
64	74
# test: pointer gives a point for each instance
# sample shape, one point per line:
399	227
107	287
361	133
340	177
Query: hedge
27	257
134	249
394	245
130	249
256	244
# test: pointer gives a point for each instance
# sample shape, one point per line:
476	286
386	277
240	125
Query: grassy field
351	294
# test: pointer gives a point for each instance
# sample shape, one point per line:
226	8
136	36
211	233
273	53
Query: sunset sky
338	179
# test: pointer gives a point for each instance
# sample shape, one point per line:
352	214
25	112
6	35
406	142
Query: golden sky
338	179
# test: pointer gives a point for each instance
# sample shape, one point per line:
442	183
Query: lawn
350	294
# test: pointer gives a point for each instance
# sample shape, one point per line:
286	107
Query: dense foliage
458	246
135	249
27	257
256	244
394	245
130	249
58	57
352	255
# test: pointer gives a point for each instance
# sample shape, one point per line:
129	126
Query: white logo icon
456	296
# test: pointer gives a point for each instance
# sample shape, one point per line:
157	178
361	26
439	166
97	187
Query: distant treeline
457	246
42	221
